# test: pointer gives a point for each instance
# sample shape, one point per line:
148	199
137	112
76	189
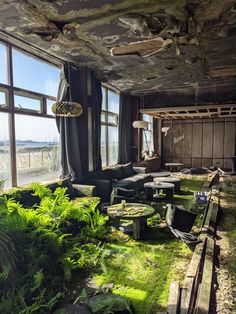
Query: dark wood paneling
187	161
167	142
187	140
207	162
207	140
218	139
196	162
177	144
197	140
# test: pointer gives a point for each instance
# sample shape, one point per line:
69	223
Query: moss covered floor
142	270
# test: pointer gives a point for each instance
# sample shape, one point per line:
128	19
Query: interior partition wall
29	141
199	142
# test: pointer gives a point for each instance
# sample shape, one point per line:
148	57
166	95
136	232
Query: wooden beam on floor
204	295
173	300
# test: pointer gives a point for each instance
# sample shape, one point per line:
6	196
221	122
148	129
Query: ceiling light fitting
66	108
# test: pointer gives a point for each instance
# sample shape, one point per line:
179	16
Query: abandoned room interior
117	156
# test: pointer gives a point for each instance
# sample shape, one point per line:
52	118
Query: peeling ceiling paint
198	36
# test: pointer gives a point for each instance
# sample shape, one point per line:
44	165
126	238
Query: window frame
10	108
106	122
148	130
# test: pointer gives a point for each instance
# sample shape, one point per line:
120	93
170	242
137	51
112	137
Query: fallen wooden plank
204	295
173	300
186	295
196	258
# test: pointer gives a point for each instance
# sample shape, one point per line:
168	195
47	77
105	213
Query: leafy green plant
44	253
95	222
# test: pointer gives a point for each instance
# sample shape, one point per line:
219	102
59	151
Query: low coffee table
132	211
175	181
151	187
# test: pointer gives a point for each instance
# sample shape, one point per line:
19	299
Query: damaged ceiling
140	46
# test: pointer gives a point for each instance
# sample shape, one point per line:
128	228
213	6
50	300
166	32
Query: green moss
142	271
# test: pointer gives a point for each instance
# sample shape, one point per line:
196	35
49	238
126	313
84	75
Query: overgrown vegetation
39	252
46	248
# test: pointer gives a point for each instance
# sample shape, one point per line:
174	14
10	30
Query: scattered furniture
173	165
124	176
157	187
173	180
131	211
180	222
151	164
119	194
160	174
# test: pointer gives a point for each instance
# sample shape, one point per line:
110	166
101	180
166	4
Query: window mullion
12	119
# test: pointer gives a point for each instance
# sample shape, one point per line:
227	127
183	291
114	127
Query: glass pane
27	103
103	98
3	64
103	145
148	118
49	106
37	149
3	99
112	119
43	79
5	166
113	102
112	145
147	140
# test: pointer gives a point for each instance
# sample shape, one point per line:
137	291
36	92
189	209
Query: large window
29	140
109	131
147	139
5	166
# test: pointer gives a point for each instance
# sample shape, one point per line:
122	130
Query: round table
131	211
174	180
160	174
168	188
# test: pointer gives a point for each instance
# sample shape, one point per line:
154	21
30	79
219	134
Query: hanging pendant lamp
67	108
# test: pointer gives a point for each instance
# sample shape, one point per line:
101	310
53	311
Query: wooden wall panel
207	140
197	140
167	150
196	162
218	139
229	143
176	134
207	162
187	140
187	161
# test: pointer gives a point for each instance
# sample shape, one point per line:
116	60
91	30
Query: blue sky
31	74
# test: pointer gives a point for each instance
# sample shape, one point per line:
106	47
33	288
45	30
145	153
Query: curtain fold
74	130
96	104
69	128
124	153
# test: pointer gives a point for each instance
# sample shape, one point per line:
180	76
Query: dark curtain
96	104
155	136
124	153
85	89
70	128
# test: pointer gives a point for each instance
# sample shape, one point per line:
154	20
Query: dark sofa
124	176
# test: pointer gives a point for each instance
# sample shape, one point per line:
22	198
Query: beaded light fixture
67	108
